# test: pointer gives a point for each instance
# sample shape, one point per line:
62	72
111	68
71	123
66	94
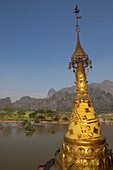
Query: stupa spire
84	147
78	41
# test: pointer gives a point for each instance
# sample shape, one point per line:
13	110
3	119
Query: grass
106	117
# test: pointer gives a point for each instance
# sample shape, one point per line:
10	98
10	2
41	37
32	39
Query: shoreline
11	121
33	121
46	122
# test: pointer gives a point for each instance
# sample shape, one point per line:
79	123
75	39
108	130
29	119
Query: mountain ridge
106	85
62	100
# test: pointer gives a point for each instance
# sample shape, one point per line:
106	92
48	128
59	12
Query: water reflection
27	134
6	132
107	131
26	150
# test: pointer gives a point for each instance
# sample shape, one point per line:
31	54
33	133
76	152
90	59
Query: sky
38	38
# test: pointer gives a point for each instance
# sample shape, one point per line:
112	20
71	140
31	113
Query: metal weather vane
76	11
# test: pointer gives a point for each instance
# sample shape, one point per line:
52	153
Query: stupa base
84	155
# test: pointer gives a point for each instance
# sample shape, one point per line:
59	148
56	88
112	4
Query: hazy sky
37	40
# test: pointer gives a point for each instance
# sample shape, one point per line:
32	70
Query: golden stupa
84	147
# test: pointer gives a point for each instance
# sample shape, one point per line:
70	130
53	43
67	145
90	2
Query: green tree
40	117
24	122
56	118
21	113
29	127
65	119
2	115
8	109
33	115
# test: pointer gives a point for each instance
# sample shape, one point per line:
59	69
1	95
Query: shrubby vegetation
28	126
49	115
24	122
40	115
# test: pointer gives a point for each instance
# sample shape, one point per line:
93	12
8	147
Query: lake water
24	151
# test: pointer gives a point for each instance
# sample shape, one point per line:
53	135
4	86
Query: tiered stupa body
84	124
83	147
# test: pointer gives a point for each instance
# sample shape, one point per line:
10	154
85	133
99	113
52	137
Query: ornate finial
76	11
79	53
